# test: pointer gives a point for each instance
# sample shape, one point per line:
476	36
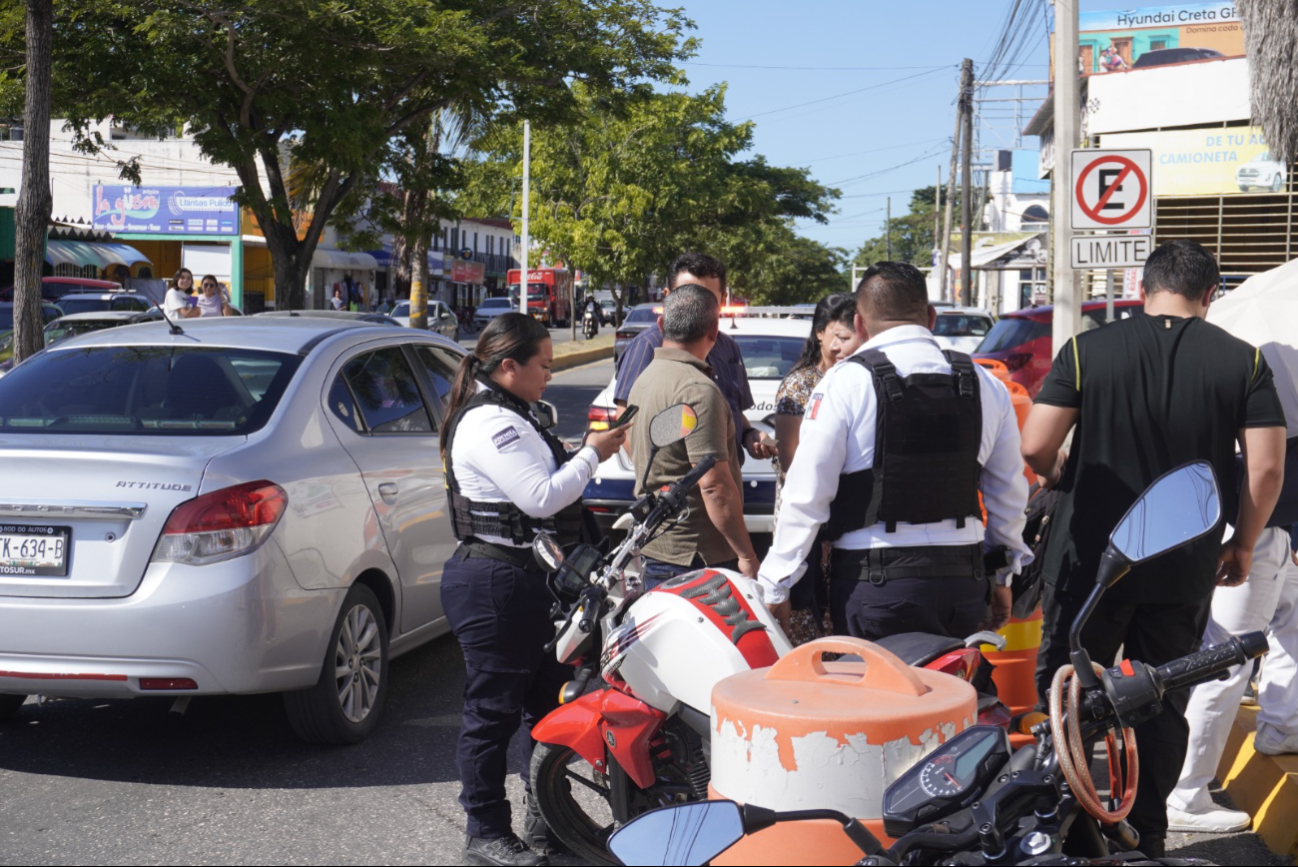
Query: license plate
34	550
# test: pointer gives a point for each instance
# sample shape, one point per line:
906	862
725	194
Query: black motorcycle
973	801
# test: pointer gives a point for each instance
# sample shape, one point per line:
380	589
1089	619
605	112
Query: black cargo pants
940	590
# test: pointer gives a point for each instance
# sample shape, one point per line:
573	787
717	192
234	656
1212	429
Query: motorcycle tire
579	814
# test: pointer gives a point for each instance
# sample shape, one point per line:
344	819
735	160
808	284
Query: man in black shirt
1146	395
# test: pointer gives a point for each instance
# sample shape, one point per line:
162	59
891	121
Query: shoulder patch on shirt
504	438
814	406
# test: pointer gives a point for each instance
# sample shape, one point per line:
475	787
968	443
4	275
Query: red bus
549	294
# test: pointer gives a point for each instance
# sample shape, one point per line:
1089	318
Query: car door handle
388	491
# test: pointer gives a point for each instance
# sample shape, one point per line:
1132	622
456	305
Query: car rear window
145	390
961	325
62	329
1011	332
88	304
48	314
769	357
641	316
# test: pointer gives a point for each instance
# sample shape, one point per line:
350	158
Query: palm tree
1271	39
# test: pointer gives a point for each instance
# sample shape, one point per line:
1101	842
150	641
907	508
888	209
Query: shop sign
463	271
165	210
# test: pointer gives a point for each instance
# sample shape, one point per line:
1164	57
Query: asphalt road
128	782
558	335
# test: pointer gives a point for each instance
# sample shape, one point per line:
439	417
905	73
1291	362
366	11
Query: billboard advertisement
166	210
1207	162
1120	40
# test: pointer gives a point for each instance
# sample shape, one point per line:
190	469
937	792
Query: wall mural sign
166	210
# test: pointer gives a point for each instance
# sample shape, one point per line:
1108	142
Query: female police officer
507	479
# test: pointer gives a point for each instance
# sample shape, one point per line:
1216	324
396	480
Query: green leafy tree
635	182
268	83
913	240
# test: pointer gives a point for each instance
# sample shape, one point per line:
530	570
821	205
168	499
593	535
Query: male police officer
896	444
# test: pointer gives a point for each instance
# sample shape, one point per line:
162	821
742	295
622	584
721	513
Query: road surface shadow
245	741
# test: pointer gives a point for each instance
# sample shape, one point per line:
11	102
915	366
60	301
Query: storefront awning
100	254
383	259
341	260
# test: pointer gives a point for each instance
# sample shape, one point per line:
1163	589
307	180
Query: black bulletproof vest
473	518
925	450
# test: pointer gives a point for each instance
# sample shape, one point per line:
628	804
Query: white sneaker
1217	820
1267	741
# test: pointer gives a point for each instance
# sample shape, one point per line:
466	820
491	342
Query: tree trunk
35	201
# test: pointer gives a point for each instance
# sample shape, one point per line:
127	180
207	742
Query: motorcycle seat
919	648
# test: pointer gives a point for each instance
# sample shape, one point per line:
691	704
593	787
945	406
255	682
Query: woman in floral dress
833	338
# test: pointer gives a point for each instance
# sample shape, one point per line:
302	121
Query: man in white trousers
1267	600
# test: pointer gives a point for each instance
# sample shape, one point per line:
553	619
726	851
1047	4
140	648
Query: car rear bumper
241	626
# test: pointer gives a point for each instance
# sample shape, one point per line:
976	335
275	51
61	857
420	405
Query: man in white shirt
910	550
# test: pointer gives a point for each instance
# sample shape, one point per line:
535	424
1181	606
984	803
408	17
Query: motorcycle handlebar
671	500
1204	665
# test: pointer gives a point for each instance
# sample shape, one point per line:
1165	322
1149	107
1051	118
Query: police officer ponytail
510	335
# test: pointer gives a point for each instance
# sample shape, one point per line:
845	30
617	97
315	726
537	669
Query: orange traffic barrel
809	734
1016	666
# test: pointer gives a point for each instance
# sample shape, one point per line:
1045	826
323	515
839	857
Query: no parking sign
1112	189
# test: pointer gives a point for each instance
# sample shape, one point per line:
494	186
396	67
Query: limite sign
1112	189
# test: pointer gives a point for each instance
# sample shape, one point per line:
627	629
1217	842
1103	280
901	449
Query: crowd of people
900	507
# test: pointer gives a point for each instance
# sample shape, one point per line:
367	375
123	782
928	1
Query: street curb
580	357
1265	786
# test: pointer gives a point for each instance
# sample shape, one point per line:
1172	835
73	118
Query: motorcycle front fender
606	722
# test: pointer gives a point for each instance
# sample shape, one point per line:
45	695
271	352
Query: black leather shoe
537	834
501	851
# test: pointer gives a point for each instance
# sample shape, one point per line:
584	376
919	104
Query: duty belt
958	561
521	558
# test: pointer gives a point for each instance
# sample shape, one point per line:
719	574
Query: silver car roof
284	334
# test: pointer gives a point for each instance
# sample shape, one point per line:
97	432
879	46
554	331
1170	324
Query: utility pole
888	224
944	252
1068	306
523	283
966	199
937	217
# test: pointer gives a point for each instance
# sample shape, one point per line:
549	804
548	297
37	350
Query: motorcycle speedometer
945	781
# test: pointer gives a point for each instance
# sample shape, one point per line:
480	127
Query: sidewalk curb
1265	786
580	357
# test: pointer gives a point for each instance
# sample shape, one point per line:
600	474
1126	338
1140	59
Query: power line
814	68
875	150
846	93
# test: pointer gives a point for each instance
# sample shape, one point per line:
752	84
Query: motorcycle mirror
672	425
686	834
1179	507
547	551
546	414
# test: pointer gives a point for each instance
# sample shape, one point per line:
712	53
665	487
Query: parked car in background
1165	56
771	346
49	313
1022	340
608	311
246	507
54	288
962	328
1263	172
94	302
74	325
490	308
440	318
637	319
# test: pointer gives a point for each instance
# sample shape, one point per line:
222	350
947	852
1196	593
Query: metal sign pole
1068	306
523	283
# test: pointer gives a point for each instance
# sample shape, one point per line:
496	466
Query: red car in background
1021	340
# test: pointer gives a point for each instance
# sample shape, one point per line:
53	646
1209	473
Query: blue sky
881	125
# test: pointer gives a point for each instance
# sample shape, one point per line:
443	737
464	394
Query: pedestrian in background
179	303
212	298
833	337
507	480
726	360
1146	395
712	533
896	445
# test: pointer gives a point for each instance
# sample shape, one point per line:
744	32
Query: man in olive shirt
1147	395
713	533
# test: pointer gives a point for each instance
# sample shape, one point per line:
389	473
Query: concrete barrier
1265	786
590	351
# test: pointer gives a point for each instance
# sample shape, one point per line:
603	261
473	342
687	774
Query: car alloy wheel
358	663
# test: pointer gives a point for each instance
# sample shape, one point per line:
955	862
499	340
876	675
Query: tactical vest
925	450
471	519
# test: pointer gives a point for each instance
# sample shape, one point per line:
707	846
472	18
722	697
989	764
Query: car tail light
1017	361
222	524
599	418
625	335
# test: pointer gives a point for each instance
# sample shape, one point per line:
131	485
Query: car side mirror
546	414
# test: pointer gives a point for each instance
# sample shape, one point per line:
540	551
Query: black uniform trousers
1149	633
500	615
866	602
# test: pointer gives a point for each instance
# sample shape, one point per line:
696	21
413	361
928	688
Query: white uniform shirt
837	437
498	457
175	302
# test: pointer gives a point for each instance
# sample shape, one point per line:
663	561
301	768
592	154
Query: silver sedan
244	506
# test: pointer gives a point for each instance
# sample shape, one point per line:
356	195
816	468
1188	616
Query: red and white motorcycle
632	731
